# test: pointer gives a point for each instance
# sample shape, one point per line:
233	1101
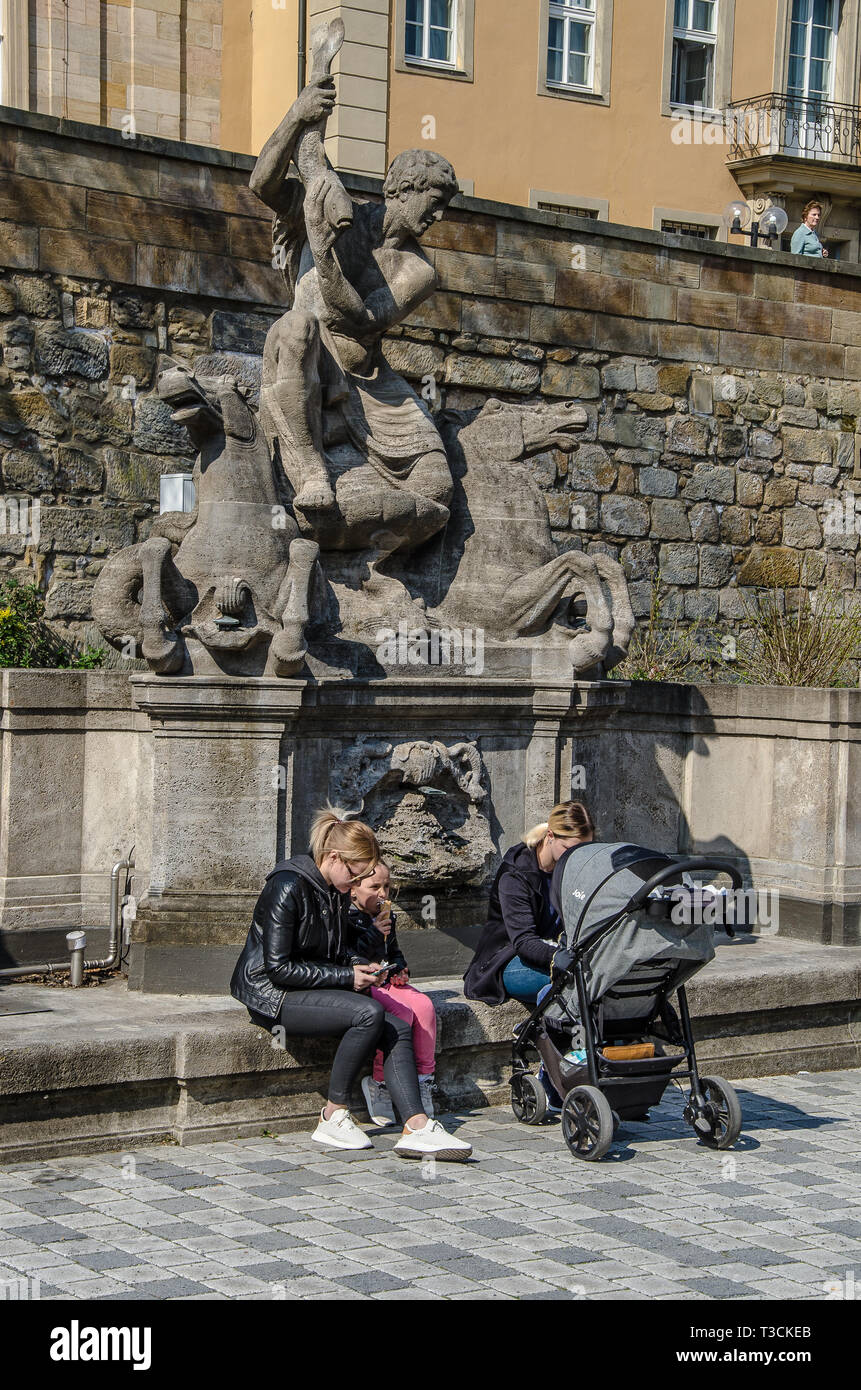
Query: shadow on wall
632	769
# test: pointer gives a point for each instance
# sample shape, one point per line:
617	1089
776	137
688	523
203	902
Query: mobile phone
385	970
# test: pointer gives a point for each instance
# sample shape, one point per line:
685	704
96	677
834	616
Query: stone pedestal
239	766
213	779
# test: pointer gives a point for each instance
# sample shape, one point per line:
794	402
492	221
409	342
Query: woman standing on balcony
805	240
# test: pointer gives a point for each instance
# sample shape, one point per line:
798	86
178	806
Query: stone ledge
127	1068
227	159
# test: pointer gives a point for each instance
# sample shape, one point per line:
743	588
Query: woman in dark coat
297	976
513	956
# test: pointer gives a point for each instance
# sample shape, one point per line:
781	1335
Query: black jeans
362	1025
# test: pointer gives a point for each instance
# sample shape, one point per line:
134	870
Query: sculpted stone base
213	779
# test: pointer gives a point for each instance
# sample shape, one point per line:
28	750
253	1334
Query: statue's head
206	404
514	430
418	188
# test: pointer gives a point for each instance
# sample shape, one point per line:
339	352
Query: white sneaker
378	1101
432	1142
340	1132
426	1093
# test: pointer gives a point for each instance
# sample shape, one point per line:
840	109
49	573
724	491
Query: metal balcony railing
803	127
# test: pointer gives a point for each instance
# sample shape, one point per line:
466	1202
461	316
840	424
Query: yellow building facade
654	113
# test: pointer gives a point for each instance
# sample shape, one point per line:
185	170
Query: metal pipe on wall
78	965
303	44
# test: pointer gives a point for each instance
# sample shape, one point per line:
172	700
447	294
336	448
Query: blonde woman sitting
296	971
513	956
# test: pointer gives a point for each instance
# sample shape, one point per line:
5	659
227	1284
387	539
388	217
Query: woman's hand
364	976
401	978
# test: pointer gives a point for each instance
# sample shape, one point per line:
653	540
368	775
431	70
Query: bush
661	650
25	638
811	645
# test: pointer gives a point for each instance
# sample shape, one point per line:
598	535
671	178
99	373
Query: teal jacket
805	242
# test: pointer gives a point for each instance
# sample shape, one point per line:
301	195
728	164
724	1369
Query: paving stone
234	1219
44	1233
373	1281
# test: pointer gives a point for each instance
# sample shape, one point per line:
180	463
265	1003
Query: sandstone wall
722	388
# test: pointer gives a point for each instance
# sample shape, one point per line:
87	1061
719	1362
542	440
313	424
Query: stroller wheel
616	1120
587	1123
528	1098
718	1125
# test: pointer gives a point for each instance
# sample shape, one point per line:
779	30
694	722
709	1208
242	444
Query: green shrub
661	650
810	645
25	638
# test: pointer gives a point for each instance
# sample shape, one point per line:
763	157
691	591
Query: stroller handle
683	866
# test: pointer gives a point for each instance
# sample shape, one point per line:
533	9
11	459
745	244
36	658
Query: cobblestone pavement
660	1217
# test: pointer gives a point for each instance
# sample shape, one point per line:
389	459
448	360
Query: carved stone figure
497	568
369	762
361	450
428	805
440	530
225	587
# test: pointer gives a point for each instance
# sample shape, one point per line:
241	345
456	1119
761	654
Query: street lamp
736	217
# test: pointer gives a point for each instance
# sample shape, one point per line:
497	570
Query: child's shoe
378	1101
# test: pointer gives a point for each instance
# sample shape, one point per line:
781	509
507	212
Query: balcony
795	141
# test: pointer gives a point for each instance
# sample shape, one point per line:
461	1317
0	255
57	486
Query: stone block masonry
721	384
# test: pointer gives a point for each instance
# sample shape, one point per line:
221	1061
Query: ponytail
332	831
569	820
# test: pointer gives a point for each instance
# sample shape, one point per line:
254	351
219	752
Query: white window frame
722	61
460	69
688	35
424	60
832	61
700	219
601	17
578	12
599	206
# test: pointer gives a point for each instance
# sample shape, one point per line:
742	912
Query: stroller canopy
594	883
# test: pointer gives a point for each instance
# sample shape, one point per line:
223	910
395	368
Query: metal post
77	943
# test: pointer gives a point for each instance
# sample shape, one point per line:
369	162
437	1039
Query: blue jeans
522	982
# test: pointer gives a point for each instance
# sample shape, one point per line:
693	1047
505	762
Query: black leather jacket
368	942
297	939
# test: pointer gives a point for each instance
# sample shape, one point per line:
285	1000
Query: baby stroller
606	1030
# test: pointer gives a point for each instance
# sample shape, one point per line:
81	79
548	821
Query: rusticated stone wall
721	387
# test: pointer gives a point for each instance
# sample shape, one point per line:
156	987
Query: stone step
104	1068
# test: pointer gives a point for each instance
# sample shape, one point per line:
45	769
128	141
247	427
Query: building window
575	49
431	27
571	43
570	205
435	36
569	209
694	43
689	229
811	49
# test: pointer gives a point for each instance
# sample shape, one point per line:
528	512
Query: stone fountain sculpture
347	507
